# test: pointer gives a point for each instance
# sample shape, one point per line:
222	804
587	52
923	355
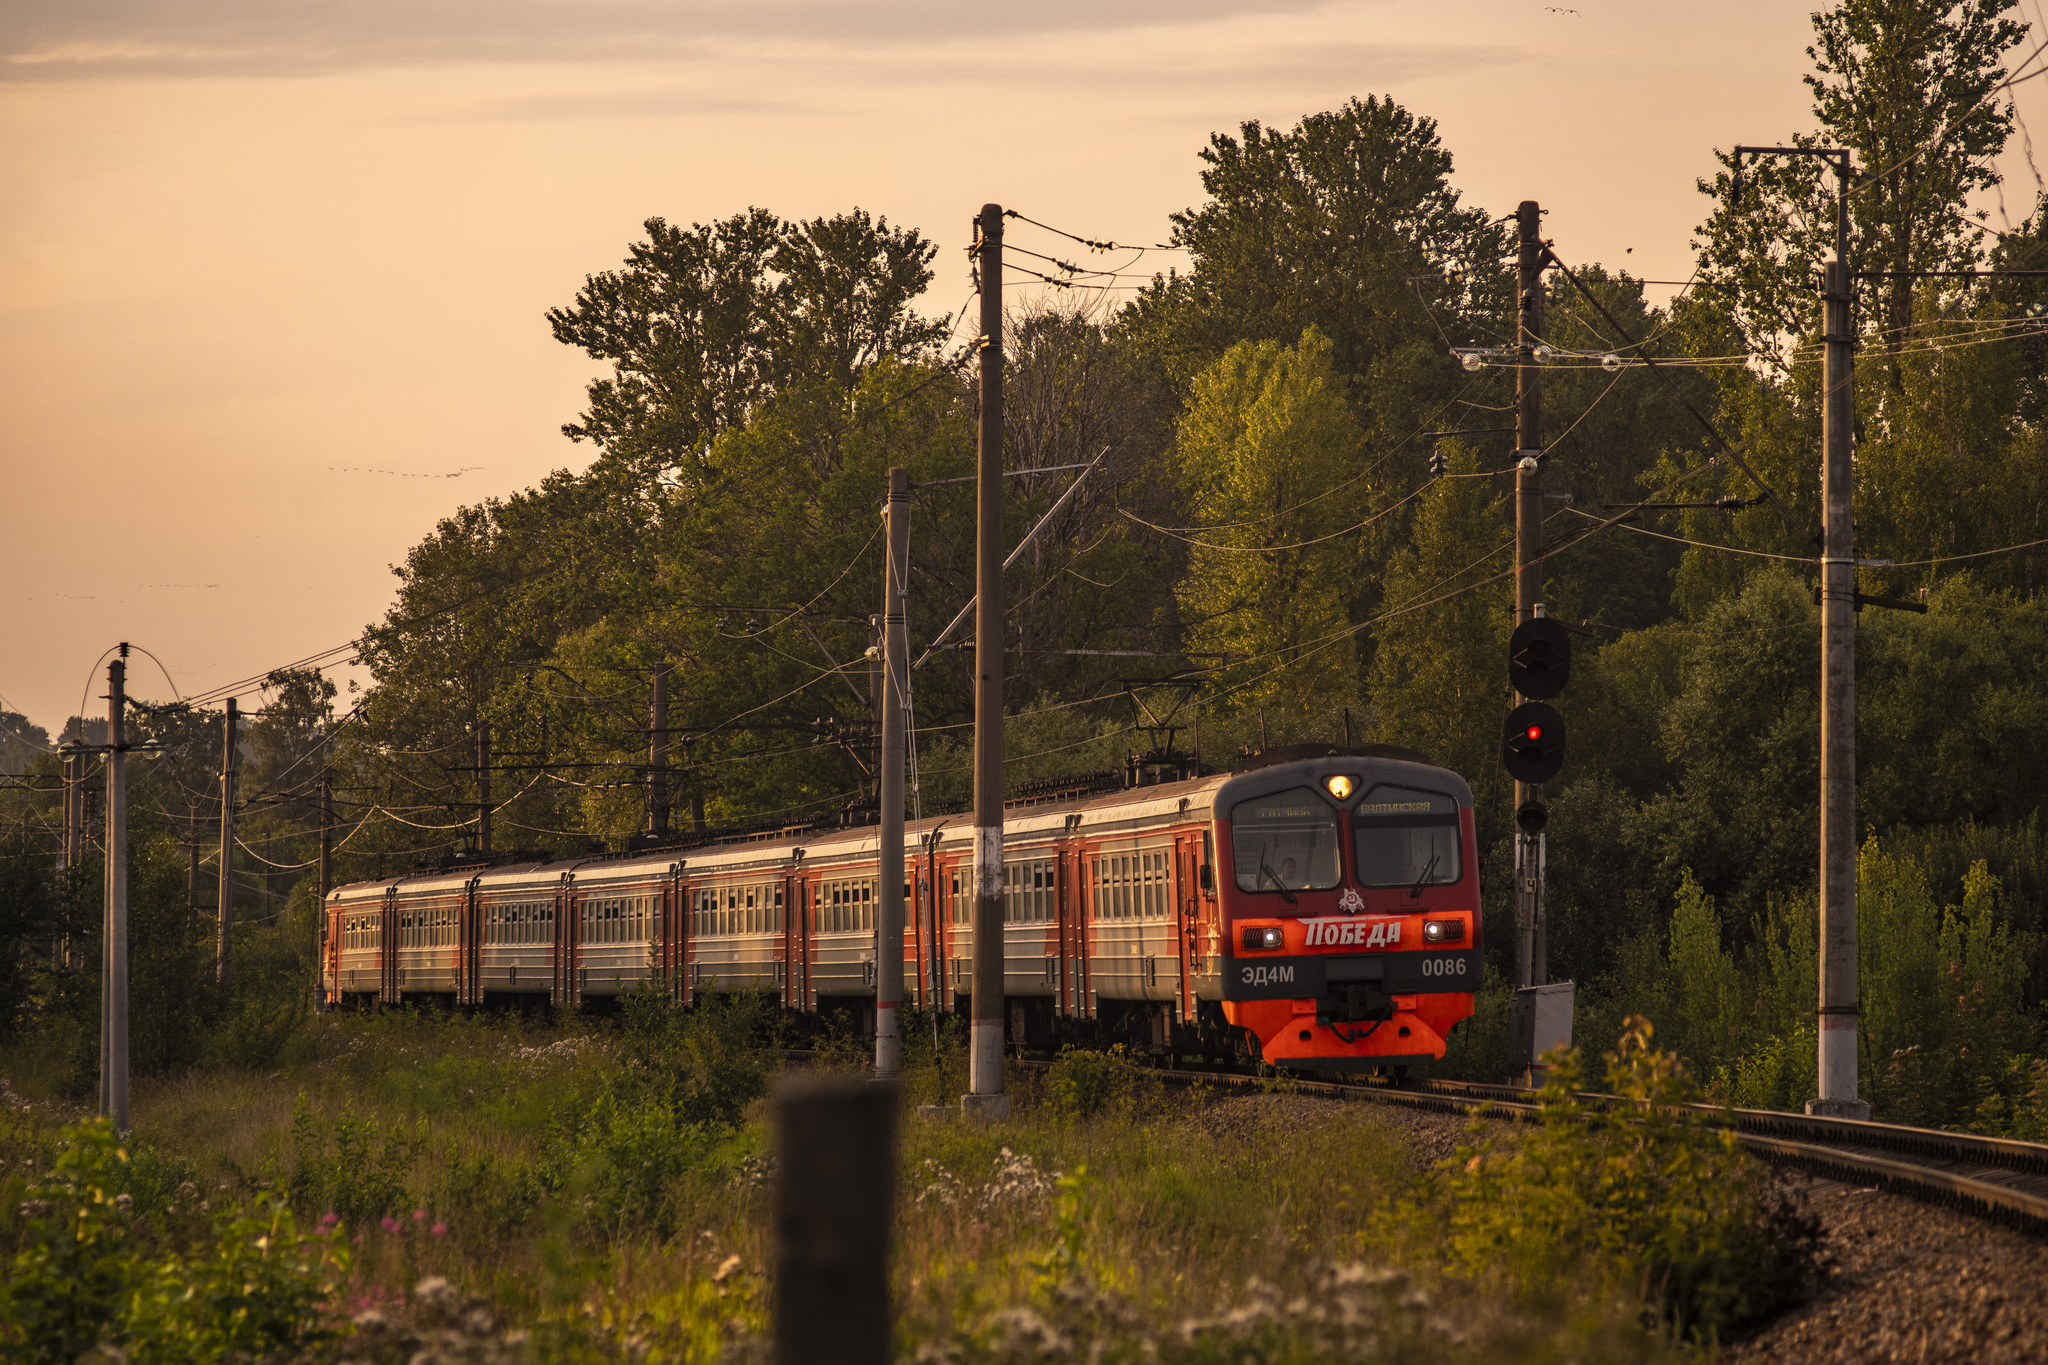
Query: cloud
94	39
1168	75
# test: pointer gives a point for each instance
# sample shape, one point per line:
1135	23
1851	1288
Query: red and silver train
1318	908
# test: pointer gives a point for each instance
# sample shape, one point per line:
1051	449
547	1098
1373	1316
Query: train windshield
1406	837
1284	842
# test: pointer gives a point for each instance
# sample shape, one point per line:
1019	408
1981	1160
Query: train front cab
1350	900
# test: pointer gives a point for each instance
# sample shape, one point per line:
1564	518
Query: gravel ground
1913	1282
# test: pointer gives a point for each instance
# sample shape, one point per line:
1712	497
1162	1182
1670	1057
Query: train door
387	951
1085	913
467	948
1186	911
561	943
806	913
788	934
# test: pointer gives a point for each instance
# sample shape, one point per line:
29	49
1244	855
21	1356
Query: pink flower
391	1224
419	1215
440	1229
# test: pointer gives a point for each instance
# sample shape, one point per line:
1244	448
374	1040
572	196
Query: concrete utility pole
483	788
985	1031
1838	1007
657	755
895	659
114	979
1529	848
224	922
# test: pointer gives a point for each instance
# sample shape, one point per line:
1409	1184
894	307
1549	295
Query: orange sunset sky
274	273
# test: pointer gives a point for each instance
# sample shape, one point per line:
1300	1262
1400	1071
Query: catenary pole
224	918
1838	1004
1529	937
985	1030
114	980
657	754
891	695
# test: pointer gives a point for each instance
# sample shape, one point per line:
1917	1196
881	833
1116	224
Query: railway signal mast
1539	662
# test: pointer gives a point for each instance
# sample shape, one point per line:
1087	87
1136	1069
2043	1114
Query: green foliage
1478	1049
1645	1196
1086	1083
704	1064
1946	1030
85	1276
1265	443
1438	676
349	1168
1706	988
1910	91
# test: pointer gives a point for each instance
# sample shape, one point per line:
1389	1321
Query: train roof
1096	814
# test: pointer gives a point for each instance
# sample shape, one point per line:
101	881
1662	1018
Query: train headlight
1264	938
1443	931
1340	786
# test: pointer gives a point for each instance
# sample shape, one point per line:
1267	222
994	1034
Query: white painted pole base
1838	1070
888	1043
987	1099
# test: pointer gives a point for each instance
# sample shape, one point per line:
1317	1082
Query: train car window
1406	837
1286	841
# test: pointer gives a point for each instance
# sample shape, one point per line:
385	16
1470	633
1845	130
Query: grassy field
588	1189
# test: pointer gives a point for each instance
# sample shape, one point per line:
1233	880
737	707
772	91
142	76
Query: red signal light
1535	732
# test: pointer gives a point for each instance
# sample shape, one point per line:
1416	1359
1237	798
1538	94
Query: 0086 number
1443	966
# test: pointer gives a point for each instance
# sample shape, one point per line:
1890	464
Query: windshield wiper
1265	871
1415	891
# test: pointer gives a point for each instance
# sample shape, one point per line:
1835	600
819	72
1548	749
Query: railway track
2001	1179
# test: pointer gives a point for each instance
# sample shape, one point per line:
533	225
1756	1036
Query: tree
1439	670
702	325
1911	88
1347	223
1267	453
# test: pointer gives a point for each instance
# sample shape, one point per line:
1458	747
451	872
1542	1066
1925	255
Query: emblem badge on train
1351	902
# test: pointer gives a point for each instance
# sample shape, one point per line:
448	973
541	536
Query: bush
350	1169
84	1276
1646	1197
1083	1084
702	1063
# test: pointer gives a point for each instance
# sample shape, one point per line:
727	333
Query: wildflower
439	1229
391	1224
419	1215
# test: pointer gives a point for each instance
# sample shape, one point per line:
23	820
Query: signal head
1532	748
1539	658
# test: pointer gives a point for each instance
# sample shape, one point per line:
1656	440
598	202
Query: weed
83	1278
1084	1083
351	1169
1645	1196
